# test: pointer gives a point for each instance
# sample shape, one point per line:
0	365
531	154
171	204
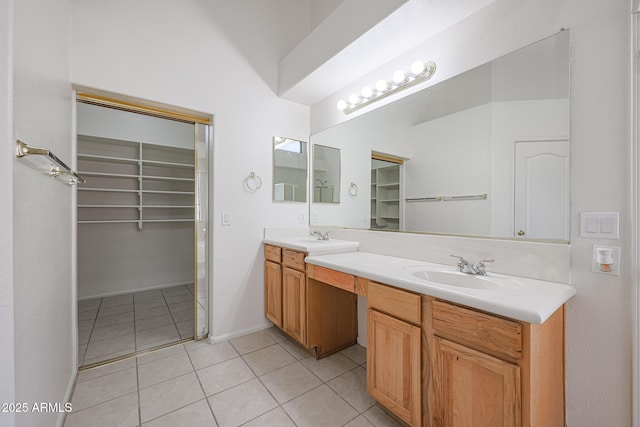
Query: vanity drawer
273	253
293	259
396	302
481	331
332	277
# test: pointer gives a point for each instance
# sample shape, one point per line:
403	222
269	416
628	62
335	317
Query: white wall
598	322
209	57
451	157
7	356
42	216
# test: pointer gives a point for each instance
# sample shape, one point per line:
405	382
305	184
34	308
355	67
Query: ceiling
357	36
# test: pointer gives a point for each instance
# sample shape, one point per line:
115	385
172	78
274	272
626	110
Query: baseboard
150	288
67	397
235	334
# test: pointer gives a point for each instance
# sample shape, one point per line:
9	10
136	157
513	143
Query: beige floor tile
87	315
112	320
185	329
156	336
361	421
379	418
147	303
153	322
151	312
103	332
329	367
356	352
182	316
224	375
210	354
160	354
274	418
116	309
252	342
82	349
242	403
290	382
195	415
295	349
163	369
108	358
109	346
277	335
116	300
182	306
101	371
178	290
121	412
179	299
104	388
320	407
268	359
84	333
352	387
89	305
139	296
168	396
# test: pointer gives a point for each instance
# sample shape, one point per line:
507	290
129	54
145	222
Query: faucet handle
481	262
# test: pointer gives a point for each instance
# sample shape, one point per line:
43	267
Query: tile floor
261	379
115	326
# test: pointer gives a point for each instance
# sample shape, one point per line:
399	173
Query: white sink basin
461	280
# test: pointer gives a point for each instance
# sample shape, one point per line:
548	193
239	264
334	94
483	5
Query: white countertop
313	246
528	300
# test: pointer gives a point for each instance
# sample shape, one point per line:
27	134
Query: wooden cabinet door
393	365
293	304
474	389
273	292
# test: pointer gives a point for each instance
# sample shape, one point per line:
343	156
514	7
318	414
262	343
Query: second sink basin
461	280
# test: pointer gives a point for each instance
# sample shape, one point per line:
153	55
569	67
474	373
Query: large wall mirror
289	170
326	174
486	153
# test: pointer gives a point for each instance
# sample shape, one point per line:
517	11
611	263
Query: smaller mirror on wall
326	174
289	170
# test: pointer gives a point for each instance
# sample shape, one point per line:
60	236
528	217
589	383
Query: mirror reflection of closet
326	174
386	192
138	235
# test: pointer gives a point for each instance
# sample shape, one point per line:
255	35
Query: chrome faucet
320	235
466	267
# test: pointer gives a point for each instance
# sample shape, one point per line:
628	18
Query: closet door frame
203	139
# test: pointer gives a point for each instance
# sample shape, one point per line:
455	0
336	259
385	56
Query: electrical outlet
615	257
302	218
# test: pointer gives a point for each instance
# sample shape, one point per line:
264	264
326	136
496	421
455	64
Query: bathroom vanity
478	350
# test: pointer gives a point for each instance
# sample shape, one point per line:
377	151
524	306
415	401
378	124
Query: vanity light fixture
419	72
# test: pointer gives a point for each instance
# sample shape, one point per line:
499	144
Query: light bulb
342	105
367	92
399	76
354	99
382	85
417	68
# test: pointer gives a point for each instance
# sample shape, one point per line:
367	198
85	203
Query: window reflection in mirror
326	174
464	142
289	170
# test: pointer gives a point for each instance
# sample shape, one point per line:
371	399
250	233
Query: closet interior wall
136	210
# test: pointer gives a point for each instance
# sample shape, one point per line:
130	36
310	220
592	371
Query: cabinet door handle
521	233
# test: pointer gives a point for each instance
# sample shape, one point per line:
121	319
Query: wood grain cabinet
393	351
285	291
314	306
490	371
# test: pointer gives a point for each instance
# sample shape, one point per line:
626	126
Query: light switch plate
599	225
226	218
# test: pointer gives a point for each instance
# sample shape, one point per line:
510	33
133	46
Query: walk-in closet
141	229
